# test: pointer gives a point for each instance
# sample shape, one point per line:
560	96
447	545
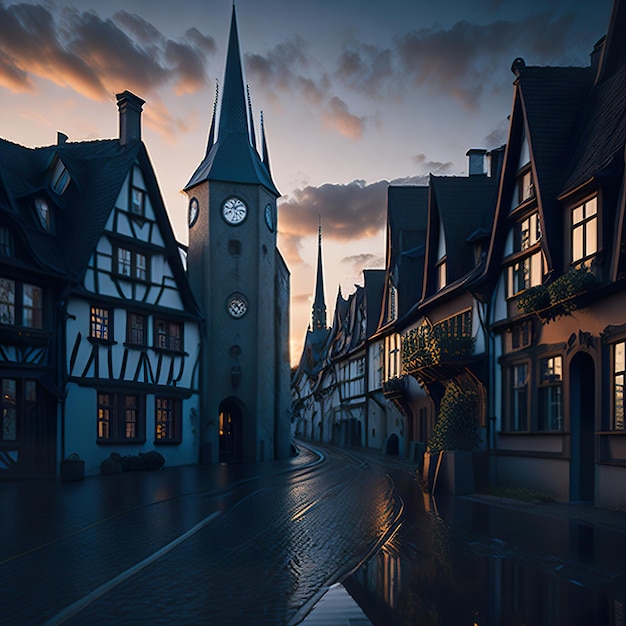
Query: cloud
360	262
432	167
337	116
498	135
96	57
287	69
459	61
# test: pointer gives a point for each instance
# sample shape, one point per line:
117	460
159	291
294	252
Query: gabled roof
462	204
407	218
232	158
98	170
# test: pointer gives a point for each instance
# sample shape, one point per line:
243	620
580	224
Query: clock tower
242	284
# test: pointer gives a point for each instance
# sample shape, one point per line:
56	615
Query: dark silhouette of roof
463	204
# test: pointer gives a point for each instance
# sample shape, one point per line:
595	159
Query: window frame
117	406
618	371
132	329
19	306
94	323
524	174
133	264
516	422
546	386
168	336
60	177
173	413
582	226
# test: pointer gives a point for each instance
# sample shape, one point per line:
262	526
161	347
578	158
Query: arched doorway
582	403
231	431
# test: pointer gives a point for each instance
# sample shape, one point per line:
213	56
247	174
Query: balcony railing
431	345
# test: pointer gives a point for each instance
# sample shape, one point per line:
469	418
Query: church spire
232	155
233	113
319	304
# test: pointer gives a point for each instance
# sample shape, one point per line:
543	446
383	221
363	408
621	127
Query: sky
356	95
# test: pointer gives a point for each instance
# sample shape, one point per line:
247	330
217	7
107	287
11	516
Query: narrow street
262	544
219	545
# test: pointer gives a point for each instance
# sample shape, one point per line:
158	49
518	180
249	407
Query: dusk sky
355	95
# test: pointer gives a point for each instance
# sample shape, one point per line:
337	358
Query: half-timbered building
556	272
100	331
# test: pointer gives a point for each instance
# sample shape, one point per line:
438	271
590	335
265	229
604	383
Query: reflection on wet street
455	561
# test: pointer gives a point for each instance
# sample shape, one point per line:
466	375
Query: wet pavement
263	544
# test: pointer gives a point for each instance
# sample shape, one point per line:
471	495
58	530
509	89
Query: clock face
269	219
234	211
237	305
194	209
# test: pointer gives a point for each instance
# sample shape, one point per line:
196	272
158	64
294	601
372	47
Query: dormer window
137	200
60	177
43	212
528	232
584	239
525	186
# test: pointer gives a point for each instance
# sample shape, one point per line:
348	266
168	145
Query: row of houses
506	287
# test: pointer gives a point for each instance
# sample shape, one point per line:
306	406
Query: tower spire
318	320
251	119
211	140
233	113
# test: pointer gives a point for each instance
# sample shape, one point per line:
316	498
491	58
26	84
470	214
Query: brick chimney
129	106
476	161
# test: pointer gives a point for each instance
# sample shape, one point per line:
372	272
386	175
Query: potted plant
72	468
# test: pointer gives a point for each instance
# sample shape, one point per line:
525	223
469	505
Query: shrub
456	427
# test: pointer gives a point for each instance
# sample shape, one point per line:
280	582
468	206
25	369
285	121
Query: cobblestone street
219	545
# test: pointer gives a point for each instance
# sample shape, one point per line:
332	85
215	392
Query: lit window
525	273
518	418
167	420
526	186
168	335
551	393
60	177
585	230
528	233
100	319
120	418
619	376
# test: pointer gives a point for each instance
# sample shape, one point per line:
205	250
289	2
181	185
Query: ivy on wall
560	296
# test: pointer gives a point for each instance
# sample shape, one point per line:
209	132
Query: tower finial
211	140
319	304
251	119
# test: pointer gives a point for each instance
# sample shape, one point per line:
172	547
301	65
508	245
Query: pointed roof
232	158
318	321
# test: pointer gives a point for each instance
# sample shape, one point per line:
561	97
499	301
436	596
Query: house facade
102	342
556	280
